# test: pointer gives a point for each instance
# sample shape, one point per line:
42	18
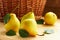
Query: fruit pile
28	25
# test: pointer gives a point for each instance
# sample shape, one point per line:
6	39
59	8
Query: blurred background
40	7
52	5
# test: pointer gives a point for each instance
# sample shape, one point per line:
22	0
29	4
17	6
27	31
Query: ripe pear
50	18
30	26
29	15
13	23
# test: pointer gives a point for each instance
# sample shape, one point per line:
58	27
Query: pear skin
29	15
50	18
13	23
30	26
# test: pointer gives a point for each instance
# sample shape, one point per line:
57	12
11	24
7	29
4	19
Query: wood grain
41	28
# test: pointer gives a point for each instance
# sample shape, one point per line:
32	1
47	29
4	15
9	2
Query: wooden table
41	28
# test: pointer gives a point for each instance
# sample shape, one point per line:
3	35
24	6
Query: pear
50	18
29	15
30	26
13	23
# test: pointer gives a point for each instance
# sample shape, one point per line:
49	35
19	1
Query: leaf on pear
23	33
11	33
6	18
41	21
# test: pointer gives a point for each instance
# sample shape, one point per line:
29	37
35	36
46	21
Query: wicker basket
21	7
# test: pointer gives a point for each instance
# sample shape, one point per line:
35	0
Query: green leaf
49	31
41	21
23	33
11	33
6	18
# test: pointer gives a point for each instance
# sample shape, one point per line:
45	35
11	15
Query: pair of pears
28	23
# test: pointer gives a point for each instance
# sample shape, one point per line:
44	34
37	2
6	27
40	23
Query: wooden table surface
41	28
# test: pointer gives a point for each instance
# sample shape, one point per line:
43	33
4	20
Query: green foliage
6	18
41	21
10	33
23	33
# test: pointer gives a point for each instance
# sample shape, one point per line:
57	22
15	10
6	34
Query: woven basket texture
21	7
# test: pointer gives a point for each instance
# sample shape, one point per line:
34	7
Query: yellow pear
50	18
29	15
13	23
30	26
